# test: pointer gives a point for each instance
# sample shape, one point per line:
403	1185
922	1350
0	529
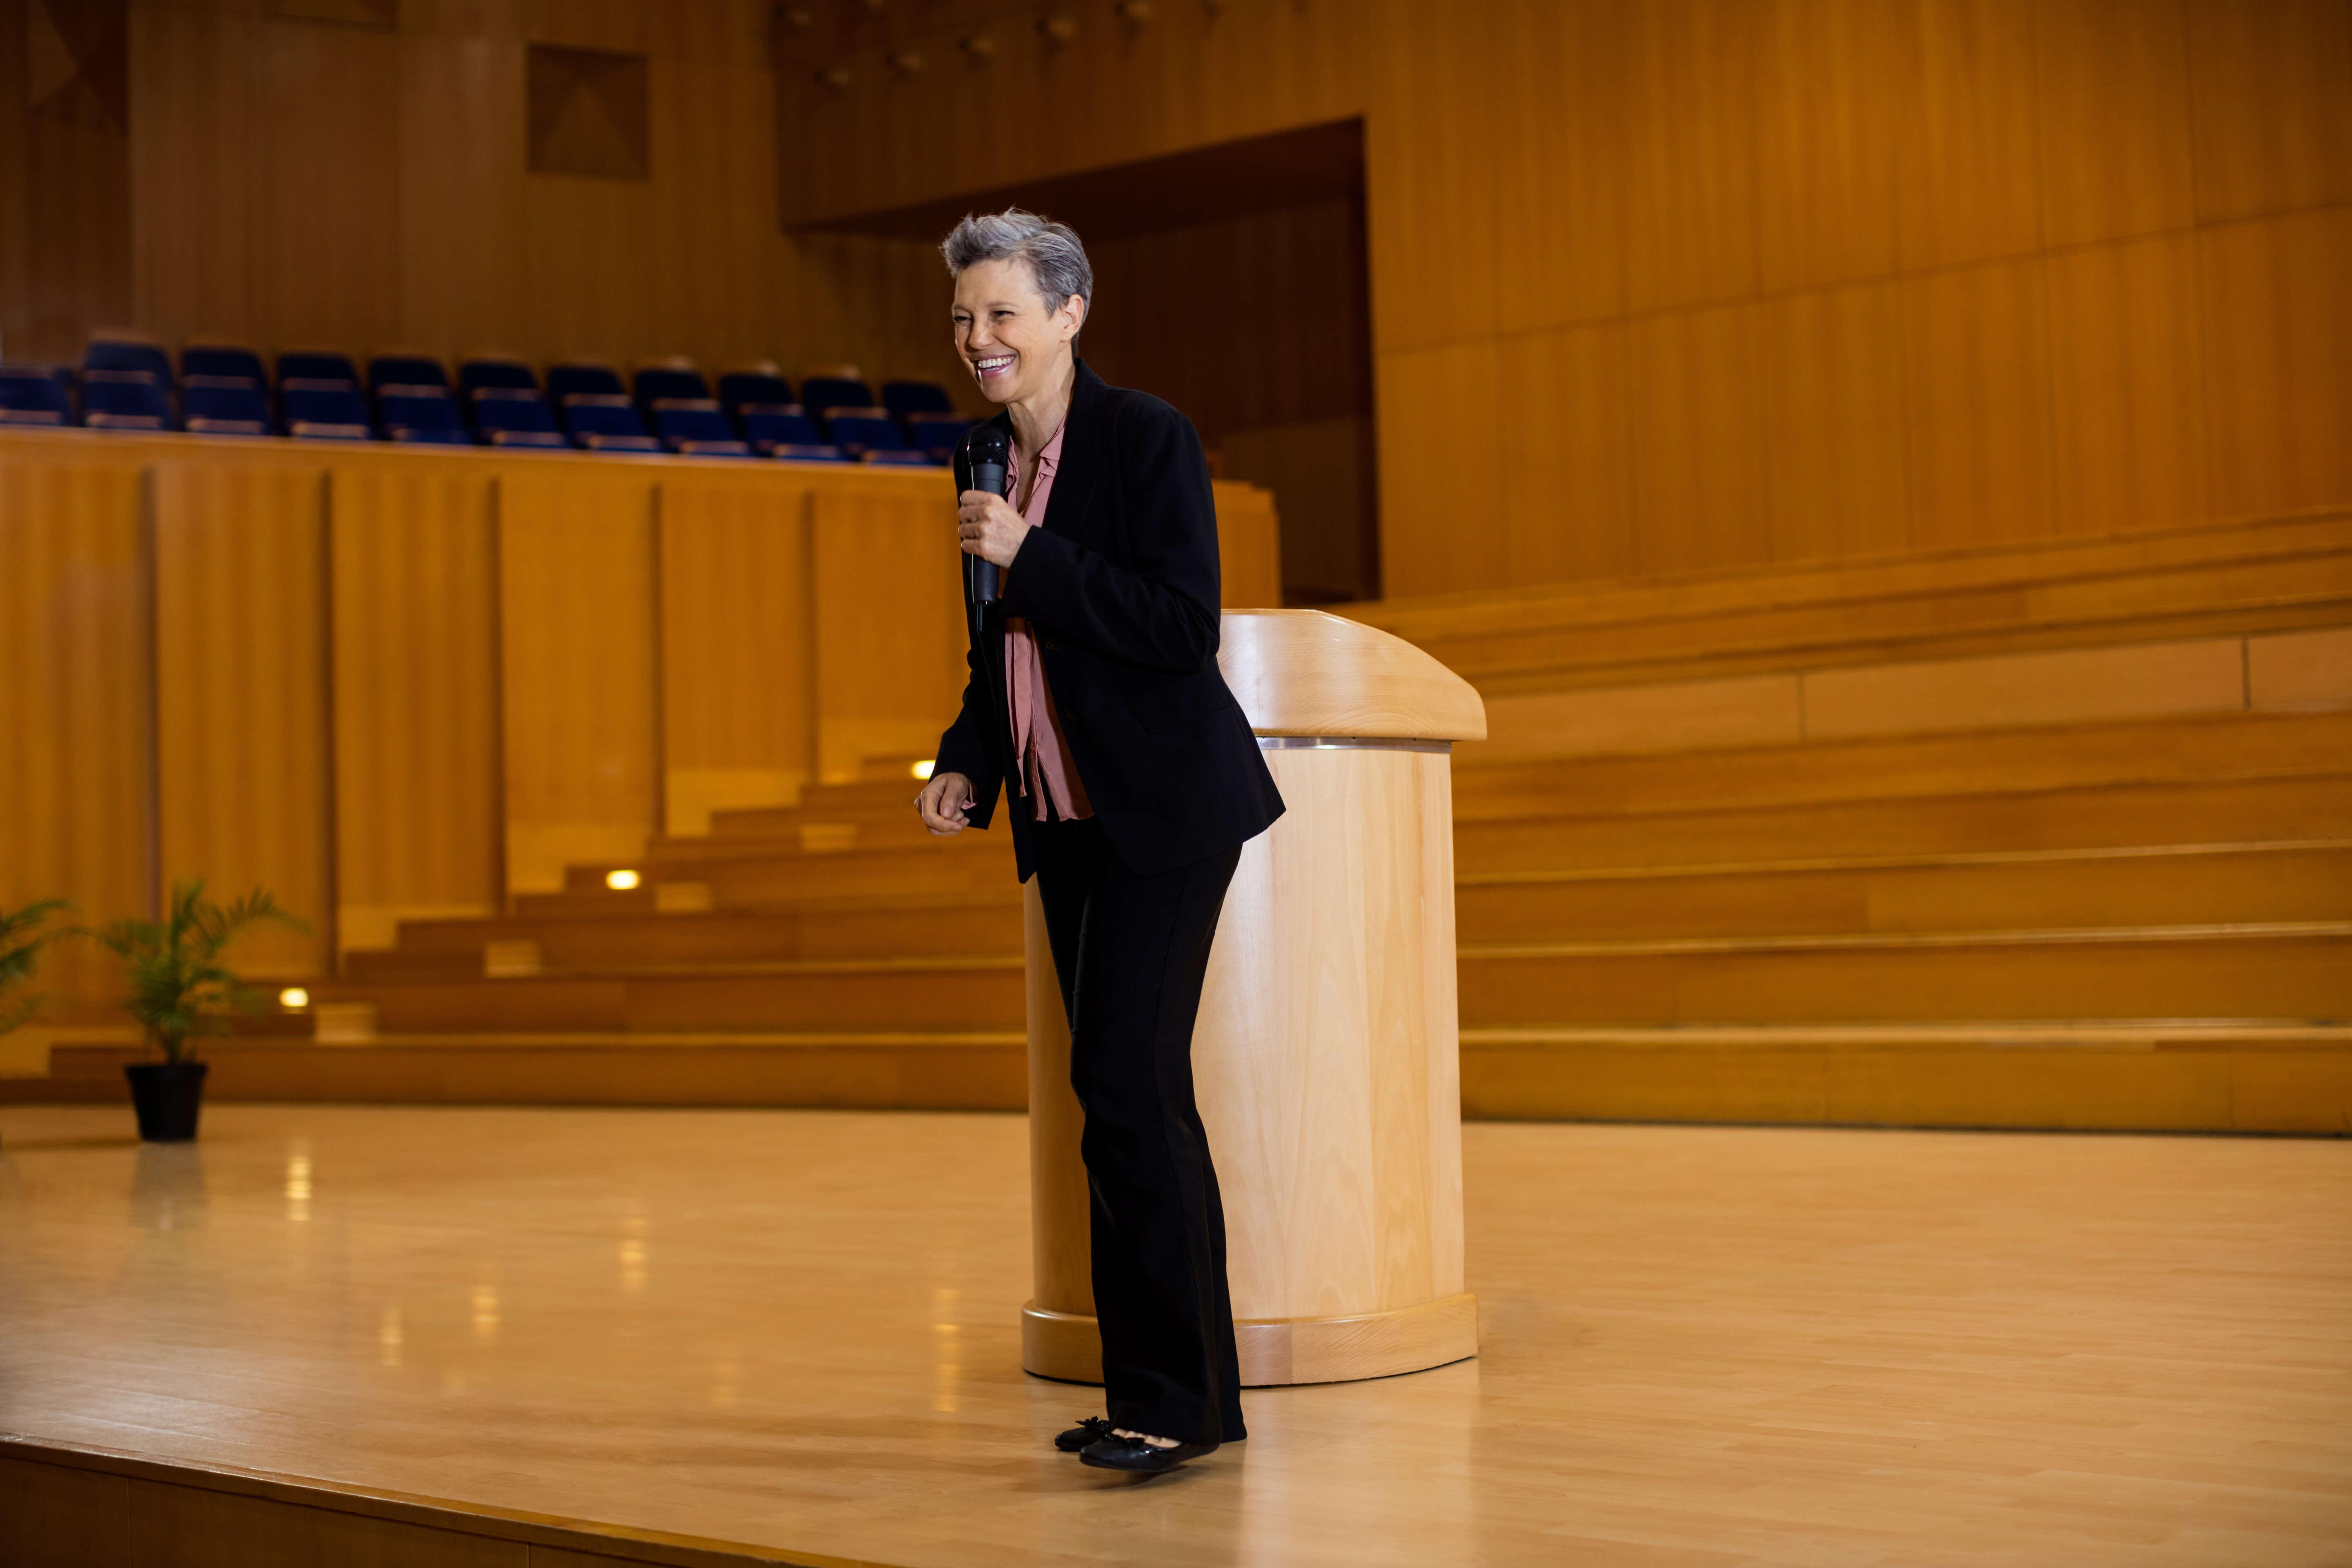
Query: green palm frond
178	986
22	937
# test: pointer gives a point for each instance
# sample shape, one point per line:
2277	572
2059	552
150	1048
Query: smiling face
1015	345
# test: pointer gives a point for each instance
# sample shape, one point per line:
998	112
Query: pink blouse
1044	771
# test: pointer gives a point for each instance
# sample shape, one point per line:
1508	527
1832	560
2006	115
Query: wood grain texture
2272	123
77	806
1304	672
1977	417
1326	1069
1896	1337
738	645
241	701
579	667
888	618
2276	327
414	604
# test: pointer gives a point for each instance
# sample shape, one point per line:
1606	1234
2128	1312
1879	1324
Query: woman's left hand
988	527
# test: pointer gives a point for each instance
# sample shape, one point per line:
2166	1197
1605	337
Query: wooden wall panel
1967	140
241	696
738	651
1830	363
2110	99
1977	405
2271	93
1442	471
2277	339
459	251
1695	407
1691	196
888	616
192	155
325	214
1567	474
1826	119
414	606
76	807
576	604
2125	372
1560	240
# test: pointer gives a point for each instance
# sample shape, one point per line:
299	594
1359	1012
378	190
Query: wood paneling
193	144
2112	103
889	656
2125	365
1826	118
2277	336
1830	366
414	602
1691	184
325	238
241	756
1695	409
76	799
2273	115
1968	133
739	655
579	667
1568	479
1977	405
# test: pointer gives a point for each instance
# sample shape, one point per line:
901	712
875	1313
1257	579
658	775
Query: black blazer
1120	585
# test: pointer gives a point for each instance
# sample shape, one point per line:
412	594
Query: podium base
1064	1346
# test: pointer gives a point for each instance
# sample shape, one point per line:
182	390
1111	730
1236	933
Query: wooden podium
1326	1055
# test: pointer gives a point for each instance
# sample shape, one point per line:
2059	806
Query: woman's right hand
943	802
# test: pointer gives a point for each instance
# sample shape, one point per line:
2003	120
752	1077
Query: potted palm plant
179	990
21	940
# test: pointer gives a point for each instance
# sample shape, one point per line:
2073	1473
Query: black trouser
1131	952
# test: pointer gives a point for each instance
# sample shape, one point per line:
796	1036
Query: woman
1131	781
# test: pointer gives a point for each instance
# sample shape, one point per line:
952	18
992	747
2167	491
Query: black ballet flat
1093	1430
1137	1457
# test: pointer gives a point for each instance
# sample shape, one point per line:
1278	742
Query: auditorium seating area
668	406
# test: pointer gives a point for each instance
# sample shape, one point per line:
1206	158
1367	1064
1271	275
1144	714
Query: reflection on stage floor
796	1331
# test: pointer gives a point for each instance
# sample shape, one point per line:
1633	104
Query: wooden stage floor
508	1337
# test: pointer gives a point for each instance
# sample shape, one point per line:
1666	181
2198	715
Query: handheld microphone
988	453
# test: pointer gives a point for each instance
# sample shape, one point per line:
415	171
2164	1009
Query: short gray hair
1056	257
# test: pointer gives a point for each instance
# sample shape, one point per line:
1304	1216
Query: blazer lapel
1086	458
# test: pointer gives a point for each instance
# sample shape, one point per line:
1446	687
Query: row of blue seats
221	393
673	378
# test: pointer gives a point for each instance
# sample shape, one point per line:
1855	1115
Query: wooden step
2165	751
927	1070
2300	971
819	927
2275	575
2169	885
2106	817
975	993
2251	1076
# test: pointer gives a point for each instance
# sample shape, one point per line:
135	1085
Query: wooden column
1326	1055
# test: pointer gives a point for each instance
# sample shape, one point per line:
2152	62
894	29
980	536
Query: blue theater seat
33	395
221	359
515	417
821	394
405	370
695	426
668	382
124	400
306	365
129	354
897	457
421	412
938	436
814	452
597	380
738	388
224	404
485	371
908	398
324	408
605	422
768	425
858	431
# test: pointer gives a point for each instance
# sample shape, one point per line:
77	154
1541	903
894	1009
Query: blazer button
1053	643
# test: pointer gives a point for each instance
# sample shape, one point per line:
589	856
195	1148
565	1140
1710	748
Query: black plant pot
167	1096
